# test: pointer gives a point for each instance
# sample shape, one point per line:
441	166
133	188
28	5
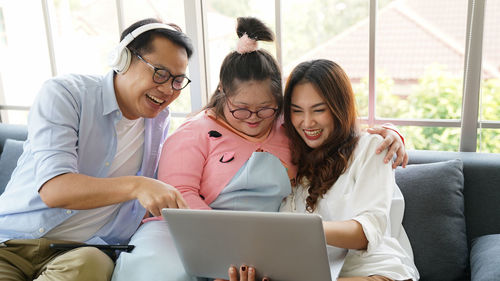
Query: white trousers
154	257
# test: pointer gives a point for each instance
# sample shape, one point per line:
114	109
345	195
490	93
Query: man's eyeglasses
162	75
243	113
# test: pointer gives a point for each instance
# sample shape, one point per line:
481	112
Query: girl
214	156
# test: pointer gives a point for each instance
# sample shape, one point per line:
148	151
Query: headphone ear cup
119	59
123	61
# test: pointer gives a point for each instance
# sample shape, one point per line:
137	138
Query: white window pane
488	140
490	84
222	38
335	30
23	50
170	11
175	122
85	31
3	35
420	59
431	138
14	116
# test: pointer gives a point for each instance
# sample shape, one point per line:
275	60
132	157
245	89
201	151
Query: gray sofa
452	214
11	147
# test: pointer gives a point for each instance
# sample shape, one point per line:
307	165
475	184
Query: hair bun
254	29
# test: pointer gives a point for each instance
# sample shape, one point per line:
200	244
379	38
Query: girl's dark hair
143	43
323	165
258	65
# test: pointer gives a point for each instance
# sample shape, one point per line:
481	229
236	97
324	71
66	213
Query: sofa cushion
485	258
481	192
8	160
434	218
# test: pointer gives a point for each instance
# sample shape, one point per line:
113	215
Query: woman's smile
313	134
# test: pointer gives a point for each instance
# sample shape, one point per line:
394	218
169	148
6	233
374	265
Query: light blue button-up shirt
71	129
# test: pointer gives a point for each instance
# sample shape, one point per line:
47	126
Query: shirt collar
110	104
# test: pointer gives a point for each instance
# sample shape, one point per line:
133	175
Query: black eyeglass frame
170	75
250	112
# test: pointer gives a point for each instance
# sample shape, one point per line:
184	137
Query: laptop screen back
281	246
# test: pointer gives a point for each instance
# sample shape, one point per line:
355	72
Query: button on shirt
71	129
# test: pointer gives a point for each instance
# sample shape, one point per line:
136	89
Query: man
86	173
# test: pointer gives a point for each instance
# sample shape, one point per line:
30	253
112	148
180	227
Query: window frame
196	20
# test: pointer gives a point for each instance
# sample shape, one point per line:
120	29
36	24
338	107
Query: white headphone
119	59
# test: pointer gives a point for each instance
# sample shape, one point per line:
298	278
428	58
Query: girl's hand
394	144
247	273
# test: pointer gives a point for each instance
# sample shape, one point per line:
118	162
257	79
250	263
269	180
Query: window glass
3	35
171	11
420	59
488	139
490	75
14	116
221	29
175	122
23	49
335	30
431	138
85	31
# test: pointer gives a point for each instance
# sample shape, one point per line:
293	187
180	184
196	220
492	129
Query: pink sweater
203	155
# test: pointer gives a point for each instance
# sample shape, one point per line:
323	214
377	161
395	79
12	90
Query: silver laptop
281	246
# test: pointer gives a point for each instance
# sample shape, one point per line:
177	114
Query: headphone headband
143	28
119	58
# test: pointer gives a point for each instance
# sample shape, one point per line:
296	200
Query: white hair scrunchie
246	45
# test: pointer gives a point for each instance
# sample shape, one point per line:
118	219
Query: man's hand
81	192
155	195
393	142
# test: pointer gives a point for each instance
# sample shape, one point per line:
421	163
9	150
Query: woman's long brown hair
323	165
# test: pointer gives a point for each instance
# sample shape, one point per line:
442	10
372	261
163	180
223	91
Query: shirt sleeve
181	164
53	132
372	193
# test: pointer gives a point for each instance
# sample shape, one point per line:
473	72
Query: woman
233	155
340	177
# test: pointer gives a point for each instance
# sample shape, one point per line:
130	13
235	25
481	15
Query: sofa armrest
485	258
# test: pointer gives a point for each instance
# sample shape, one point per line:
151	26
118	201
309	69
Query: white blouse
366	192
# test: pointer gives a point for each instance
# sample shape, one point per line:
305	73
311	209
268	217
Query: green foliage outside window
490	99
437	95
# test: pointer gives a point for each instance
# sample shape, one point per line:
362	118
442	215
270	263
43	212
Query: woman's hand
393	142
247	273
